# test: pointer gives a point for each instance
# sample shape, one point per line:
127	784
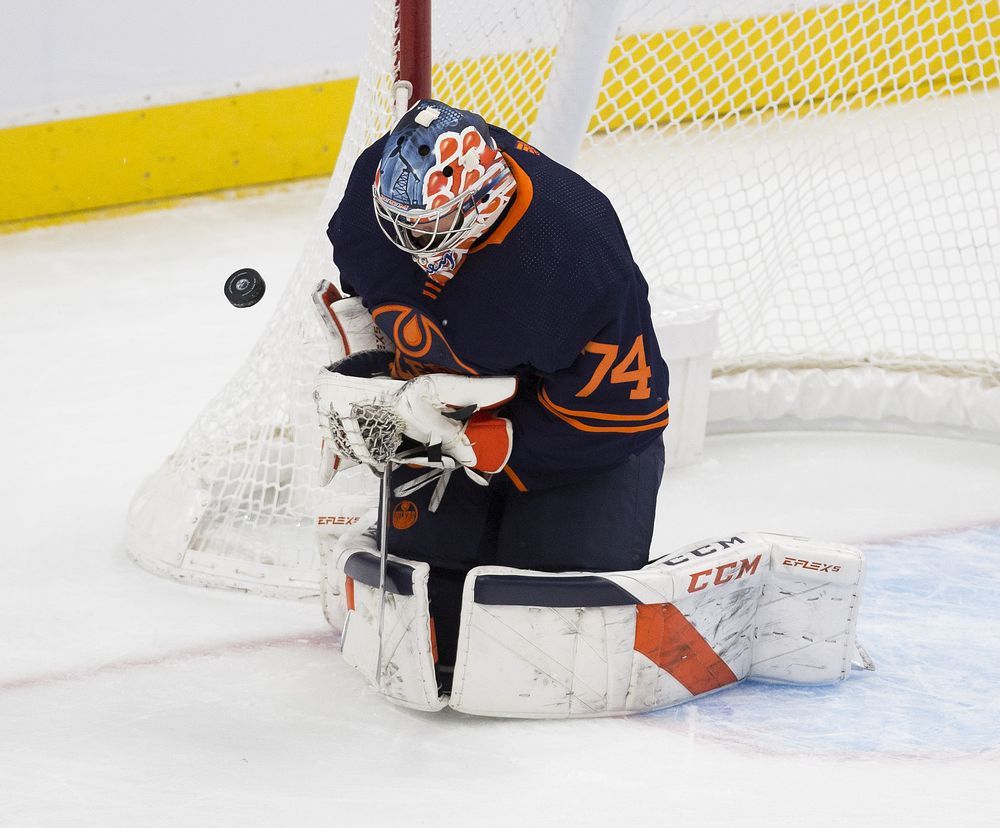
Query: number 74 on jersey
632	369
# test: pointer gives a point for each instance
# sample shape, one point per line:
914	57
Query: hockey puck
244	288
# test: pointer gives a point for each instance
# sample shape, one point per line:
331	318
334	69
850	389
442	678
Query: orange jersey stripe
597	415
515	479
603	429
671	642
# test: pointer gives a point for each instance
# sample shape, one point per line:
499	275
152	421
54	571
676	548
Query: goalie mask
441	183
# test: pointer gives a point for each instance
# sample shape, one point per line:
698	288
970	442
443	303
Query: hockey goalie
494	361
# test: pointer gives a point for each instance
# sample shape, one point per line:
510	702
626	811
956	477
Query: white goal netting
829	174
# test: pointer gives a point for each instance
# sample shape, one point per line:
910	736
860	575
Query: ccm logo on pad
702	551
724	573
816	566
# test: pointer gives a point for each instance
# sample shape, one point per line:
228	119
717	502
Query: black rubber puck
245	288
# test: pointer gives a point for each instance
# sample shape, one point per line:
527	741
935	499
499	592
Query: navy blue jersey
550	295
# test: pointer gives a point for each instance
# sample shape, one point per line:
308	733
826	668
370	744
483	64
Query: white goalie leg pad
407	675
543	645
808	615
540	645
354	527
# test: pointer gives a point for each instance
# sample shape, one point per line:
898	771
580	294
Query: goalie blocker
539	645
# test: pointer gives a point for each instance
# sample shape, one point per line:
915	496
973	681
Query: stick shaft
385	489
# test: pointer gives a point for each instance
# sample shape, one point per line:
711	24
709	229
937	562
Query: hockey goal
829	174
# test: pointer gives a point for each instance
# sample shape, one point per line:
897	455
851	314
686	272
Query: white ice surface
129	700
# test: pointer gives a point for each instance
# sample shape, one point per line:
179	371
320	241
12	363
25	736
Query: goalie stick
385	487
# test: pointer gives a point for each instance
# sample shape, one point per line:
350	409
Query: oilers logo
421	347
405	515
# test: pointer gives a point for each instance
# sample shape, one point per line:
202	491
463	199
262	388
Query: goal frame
238	504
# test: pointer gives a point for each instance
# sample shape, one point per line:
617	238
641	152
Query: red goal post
413	43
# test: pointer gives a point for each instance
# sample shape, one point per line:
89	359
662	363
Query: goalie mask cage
829	174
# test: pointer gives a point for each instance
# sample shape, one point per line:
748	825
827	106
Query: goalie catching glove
441	421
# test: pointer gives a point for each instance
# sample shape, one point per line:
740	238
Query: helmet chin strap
442	265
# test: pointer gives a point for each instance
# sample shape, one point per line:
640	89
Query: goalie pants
602	521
